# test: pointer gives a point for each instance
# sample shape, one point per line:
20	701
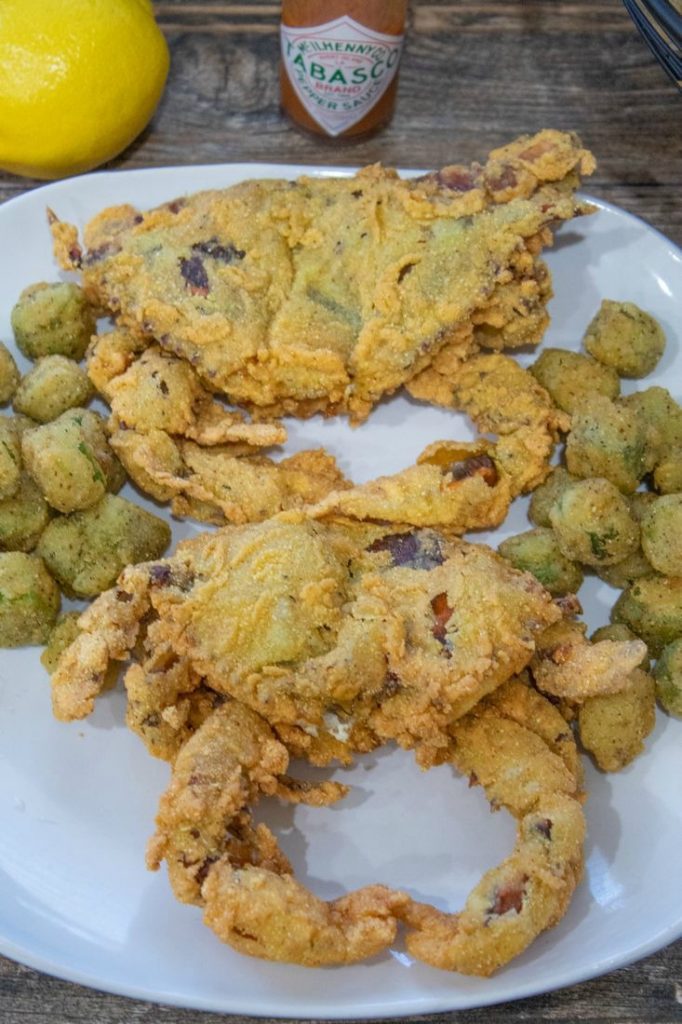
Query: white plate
77	802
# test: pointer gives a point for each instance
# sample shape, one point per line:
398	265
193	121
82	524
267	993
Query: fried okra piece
636	565
661	417
87	550
62	635
668	676
23	517
21	424
54	385
10	457
71	461
612	631
622	574
640	502
652	608
657	407
593	523
613	727
544	496
9	375
625	337
53	319
662	534
537	551
608	440
29	600
668	473
570	376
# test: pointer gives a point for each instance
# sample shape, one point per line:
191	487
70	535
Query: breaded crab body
341	636
326	293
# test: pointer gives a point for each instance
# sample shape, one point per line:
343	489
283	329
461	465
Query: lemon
79	80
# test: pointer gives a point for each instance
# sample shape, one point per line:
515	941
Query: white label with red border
339	70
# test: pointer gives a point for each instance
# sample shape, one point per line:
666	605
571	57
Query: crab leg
515	757
110	628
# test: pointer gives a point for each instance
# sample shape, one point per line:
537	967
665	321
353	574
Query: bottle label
339	70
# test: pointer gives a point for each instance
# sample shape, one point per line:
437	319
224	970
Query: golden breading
157	391
514	315
517	746
327	293
73	696
232	759
459	486
455	486
109	355
276	918
569	666
217	858
514	902
514	743
223	483
504	399
342	637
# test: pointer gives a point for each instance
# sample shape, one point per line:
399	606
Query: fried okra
626	338
652	608
636	565
537	551
613	727
9	375
570	376
662	534
86	551
593	523
661	417
10	457
544	496
612	631
668	472
22	424
62	635
668	676
54	385
53	319
607	440
640	502
23	517
71	461
29	600
623	573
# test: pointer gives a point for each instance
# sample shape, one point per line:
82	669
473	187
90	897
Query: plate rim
418	1004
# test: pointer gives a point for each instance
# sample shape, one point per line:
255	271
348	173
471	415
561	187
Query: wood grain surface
475	74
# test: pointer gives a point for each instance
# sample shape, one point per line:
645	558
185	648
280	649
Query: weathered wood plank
645	993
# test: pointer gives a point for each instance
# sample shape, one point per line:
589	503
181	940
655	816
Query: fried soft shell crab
330	619
323	640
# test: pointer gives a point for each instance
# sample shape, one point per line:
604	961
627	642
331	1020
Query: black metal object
659	22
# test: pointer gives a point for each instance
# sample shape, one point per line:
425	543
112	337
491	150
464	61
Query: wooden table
475	74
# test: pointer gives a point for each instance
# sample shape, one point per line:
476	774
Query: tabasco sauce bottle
340	60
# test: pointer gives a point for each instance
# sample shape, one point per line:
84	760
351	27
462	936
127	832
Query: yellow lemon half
79	80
